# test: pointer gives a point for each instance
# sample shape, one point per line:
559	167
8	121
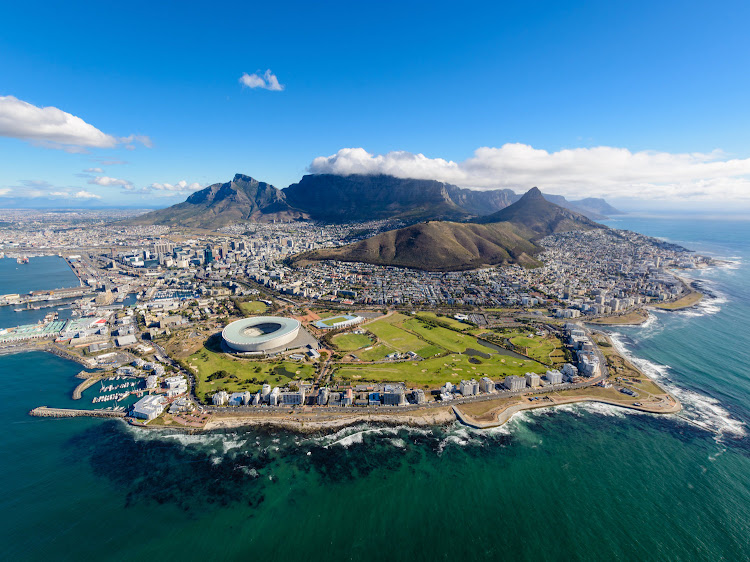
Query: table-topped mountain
357	197
241	200
508	236
340	199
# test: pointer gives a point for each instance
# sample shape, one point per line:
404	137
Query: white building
148	407
265	392
220	398
532	380
172	382
487	385
292	398
273	397
513	383
469	388
323	396
569	370
554	377
419	396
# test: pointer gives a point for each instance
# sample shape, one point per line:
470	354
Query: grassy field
452	322
242	374
545	349
634	317
389	333
479	409
441	337
444	351
253	308
376	353
435	372
350	342
687	301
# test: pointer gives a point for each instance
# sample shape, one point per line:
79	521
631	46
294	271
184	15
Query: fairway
452	322
442	337
395	337
375	353
437	371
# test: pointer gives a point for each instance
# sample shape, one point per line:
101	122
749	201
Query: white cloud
180	186
83	194
171	189
51	127
106	181
600	171
266	81
94	170
29	191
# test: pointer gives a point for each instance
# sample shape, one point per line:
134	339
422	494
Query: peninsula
271	318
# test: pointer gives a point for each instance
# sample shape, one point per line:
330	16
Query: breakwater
46	412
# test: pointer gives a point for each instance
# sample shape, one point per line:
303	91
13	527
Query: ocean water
584	482
41	273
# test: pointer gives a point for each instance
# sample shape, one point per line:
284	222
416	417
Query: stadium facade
260	333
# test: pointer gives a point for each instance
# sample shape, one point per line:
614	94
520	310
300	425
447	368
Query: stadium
260	334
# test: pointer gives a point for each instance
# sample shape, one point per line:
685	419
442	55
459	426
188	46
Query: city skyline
106	109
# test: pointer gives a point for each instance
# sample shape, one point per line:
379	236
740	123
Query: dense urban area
150	313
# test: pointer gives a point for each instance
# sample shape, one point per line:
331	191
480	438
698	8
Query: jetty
47	412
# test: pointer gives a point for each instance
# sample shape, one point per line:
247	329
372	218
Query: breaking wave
698	409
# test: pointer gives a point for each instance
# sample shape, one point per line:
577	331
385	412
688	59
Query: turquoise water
574	483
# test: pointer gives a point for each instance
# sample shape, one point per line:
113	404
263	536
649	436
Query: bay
574	483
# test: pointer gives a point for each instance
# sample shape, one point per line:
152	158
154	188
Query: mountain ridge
507	236
341	199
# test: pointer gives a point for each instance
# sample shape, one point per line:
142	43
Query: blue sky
644	103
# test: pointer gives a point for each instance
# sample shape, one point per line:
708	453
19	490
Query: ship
22	259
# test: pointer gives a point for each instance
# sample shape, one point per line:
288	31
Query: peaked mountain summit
508	236
537	217
242	199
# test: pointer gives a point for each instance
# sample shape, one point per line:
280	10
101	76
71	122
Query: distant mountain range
507	236
340	199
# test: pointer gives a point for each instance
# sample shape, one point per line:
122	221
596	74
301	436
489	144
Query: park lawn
350	342
432	373
538	348
277	373
442	337
376	353
250	308
646	385
394	336
691	299
452	322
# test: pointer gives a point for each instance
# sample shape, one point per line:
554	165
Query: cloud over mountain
601	171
